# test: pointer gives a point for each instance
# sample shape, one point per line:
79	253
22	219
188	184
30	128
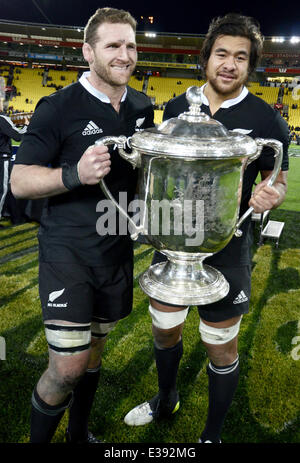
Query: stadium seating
293	113
4	72
162	89
135	83
268	94
62	78
158	115
28	83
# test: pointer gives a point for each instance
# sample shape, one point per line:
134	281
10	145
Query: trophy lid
193	134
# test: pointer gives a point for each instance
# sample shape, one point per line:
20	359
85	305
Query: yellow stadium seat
162	89
293	113
68	77
158	115
136	84
29	84
268	94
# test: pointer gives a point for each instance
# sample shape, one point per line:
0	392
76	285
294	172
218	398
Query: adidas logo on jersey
91	129
241	297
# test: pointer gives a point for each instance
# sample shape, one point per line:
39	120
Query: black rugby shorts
237	300
78	293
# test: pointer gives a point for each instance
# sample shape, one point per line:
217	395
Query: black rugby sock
45	418
83	394
223	382
167	363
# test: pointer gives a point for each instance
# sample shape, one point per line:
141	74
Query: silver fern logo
55	295
138	123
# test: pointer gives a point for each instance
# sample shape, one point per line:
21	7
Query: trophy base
192	284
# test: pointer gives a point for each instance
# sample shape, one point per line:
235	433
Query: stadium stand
268	94
293	109
29	85
61	78
162	89
4	72
136	83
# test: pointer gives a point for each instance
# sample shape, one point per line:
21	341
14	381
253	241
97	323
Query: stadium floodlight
295	40
150	34
278	39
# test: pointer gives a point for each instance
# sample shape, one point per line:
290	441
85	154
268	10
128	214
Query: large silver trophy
190	182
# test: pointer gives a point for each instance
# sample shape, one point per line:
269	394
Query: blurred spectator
8	131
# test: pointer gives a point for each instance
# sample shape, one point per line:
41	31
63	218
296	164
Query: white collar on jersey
226	103
101	96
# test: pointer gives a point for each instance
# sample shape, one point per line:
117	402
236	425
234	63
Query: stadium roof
276	17
72	34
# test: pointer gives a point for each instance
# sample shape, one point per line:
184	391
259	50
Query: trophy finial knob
194	96
195	99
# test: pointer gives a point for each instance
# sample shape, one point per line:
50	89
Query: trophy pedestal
184	283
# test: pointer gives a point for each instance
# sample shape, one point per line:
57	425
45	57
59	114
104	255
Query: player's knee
167	326
67	340
165	339
218	336
97	347
222	355
69	353
167	320
66	381
63	375
100	329
220	343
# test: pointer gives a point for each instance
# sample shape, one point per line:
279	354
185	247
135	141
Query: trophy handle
134	159
277	147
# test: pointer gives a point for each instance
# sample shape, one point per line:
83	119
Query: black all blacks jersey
250	115
63	126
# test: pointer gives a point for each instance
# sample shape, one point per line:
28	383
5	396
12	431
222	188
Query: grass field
266	407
